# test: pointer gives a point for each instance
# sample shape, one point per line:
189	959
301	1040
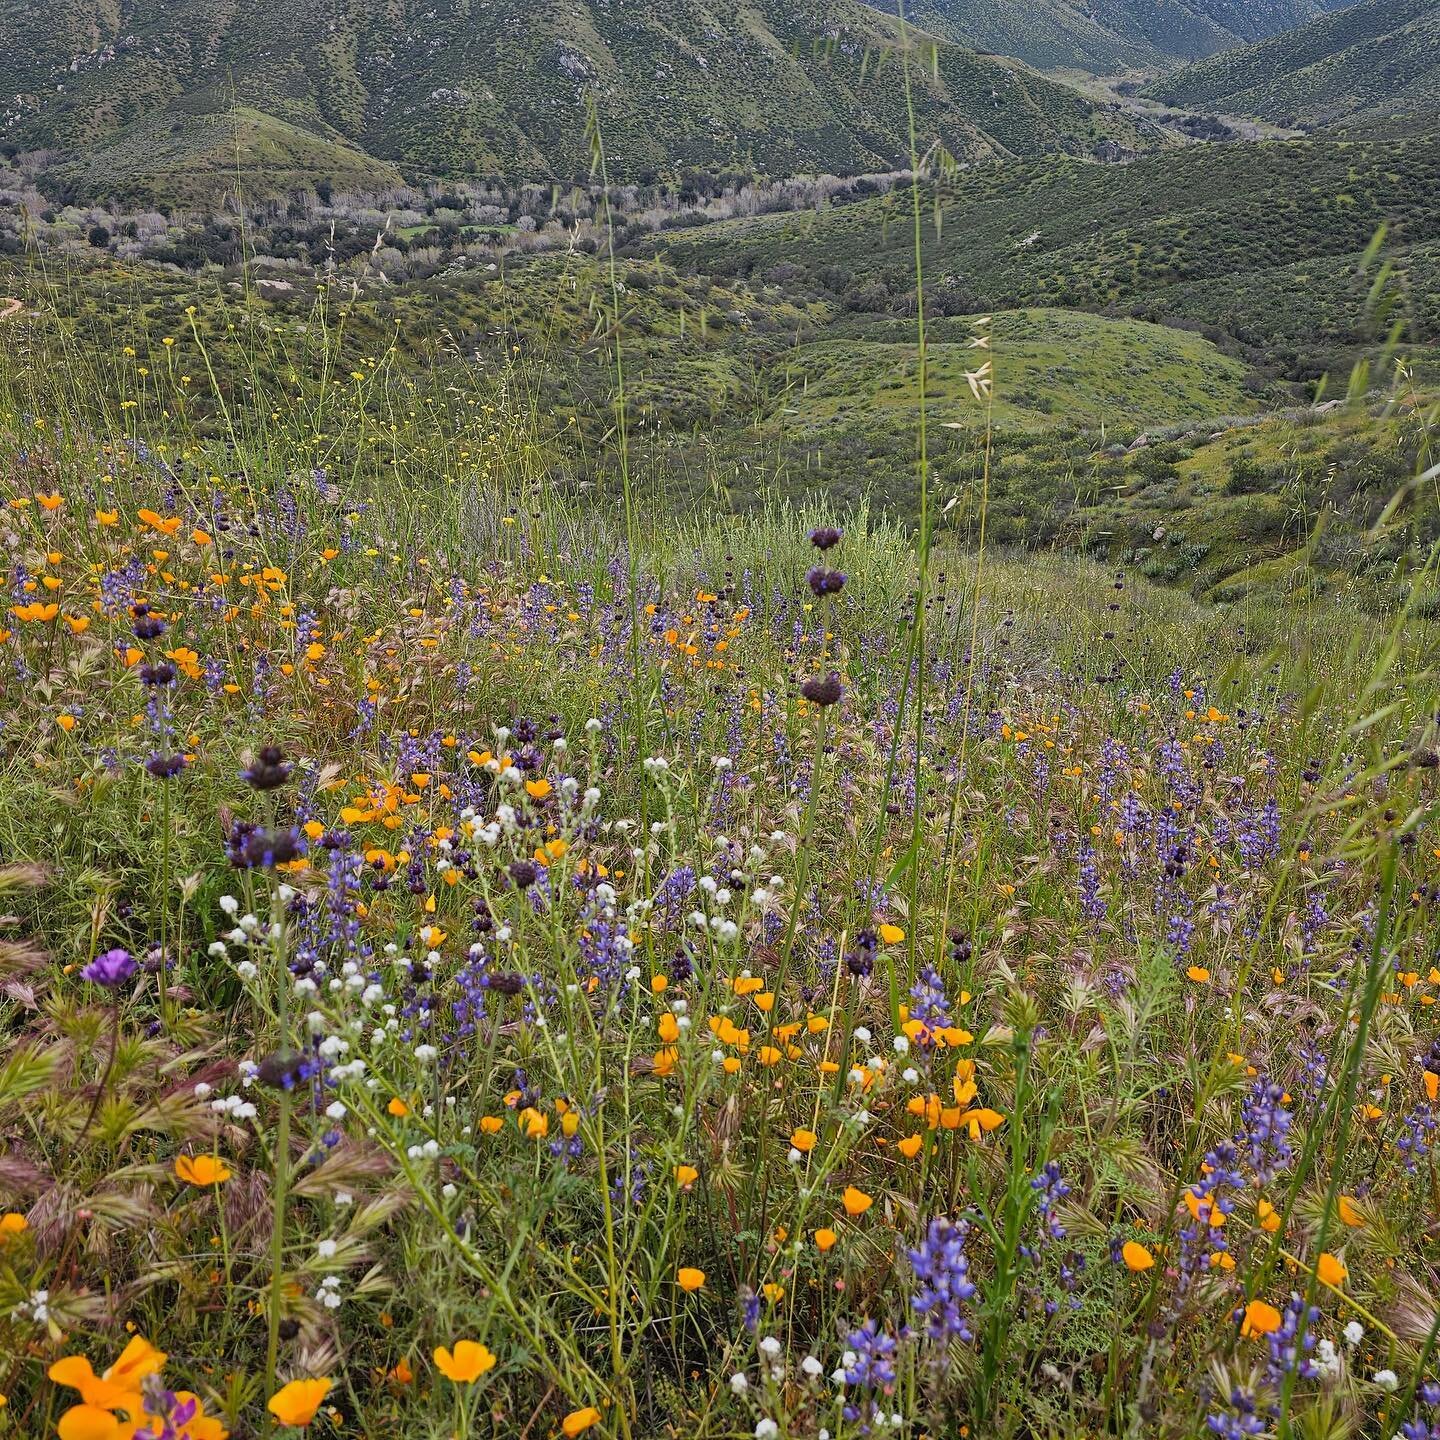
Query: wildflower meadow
482	961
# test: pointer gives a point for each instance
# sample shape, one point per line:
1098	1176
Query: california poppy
1136	1256
201	1170
298	1402
466	1363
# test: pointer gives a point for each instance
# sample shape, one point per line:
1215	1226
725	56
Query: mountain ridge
496	86
1372	59
1106	36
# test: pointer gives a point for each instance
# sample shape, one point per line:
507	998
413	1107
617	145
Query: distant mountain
441	87
1106	36
1374	59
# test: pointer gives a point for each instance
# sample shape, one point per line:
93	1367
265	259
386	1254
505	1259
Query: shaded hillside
1377	58
1106	35
774	86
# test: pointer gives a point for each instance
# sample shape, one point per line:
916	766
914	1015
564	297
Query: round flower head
822	690
113	967
825	582
161	673
825	537
146	626
268	770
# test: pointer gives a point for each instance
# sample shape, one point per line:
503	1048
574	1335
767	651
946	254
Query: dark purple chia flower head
285	1069
825	582
826	537
113	967
162	673
524	873
505	982
861	960
253	847
165	767
822	690
268	770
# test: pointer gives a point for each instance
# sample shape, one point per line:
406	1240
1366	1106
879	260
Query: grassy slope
185	154
1379	55
432	626
1057	364
739	392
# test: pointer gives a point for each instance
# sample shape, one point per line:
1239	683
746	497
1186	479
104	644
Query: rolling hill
503	87
1375	59
1261	242
1106	36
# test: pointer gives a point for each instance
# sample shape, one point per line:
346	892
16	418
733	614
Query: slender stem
277	1252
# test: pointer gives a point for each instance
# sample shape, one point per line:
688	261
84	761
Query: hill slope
1106	35
1260	241
771	85
1375	58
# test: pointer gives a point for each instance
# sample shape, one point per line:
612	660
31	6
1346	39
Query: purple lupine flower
1265	1130
1241	1418
931	1007
943	1276
870	1357
1050	1189
1289	1350
1091	901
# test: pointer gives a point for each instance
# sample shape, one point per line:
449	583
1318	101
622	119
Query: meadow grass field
477	962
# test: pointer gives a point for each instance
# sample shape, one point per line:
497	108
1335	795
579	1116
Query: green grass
1108	36
1057	365
1023	803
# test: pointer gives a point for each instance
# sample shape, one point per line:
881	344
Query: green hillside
1380	57
186	151
1106	36
772	86
1057	363
1049	34
1260	240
